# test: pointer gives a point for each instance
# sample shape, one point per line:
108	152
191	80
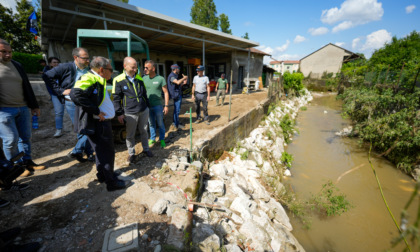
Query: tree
13	27
225	24
246	36
203	12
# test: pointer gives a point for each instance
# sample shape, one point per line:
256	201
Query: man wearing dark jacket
61	79
17	104
93	118
132	106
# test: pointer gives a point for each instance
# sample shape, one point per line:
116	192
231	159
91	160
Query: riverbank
241	189
322	156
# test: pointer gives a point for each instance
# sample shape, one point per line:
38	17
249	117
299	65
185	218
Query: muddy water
320	156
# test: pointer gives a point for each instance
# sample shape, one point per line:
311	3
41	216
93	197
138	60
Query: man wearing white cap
201	94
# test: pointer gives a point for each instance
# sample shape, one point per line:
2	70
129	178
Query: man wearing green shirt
155	84
221	88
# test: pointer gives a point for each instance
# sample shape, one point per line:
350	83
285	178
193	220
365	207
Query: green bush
388	120
329	202
287	126
28	61
287	159
293	81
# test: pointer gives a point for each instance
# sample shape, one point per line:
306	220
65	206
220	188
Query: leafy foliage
28	61
329	202
390	121
13	27
293	81
225	24
383	100
203	12
287	126
287	159
246	36
397	64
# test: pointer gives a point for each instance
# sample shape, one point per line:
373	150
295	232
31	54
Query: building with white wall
327	59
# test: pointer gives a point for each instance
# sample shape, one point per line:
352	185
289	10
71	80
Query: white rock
287	173
237	219
216	186
242	206
197	164
232	248
280	214
202	213
256	156
259	191
205	238
267	169
260	238
219	170
160	206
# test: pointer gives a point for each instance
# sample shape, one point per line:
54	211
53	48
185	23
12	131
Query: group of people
79	87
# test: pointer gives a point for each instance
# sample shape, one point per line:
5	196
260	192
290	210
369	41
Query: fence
275	86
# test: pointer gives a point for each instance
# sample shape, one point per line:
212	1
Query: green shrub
328	202
388	120
287	126
28	61
244	155
287	159
293	81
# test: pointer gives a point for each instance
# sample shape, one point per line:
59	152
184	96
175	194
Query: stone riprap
249	218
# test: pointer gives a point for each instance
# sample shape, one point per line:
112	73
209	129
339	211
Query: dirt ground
66	209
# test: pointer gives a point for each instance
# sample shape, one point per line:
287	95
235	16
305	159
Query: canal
321	156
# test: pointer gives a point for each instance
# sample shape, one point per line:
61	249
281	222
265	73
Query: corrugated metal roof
60	20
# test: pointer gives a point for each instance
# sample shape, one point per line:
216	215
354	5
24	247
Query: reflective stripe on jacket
129	98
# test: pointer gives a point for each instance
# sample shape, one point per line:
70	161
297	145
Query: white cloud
277	53
353	13
409	9
318	31
299	39
340	44
376	40
283	47
342	26
355	43
9	4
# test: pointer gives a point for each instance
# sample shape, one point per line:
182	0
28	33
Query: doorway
161	69
240	77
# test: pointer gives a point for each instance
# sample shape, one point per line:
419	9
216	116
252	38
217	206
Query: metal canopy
61	19
115	41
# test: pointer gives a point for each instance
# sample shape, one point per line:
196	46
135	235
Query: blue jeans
59	111
156	115
177	109
82	140
15	131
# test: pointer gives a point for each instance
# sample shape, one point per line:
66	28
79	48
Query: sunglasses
84	58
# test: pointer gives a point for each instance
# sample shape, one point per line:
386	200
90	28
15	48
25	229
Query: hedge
29	61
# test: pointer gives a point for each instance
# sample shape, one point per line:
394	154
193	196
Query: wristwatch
165	105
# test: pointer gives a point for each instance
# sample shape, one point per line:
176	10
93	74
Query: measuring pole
230	92
190	136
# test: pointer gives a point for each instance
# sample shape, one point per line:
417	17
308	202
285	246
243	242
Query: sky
291	30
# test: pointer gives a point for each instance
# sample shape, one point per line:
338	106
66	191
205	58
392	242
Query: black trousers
103	144
201	98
